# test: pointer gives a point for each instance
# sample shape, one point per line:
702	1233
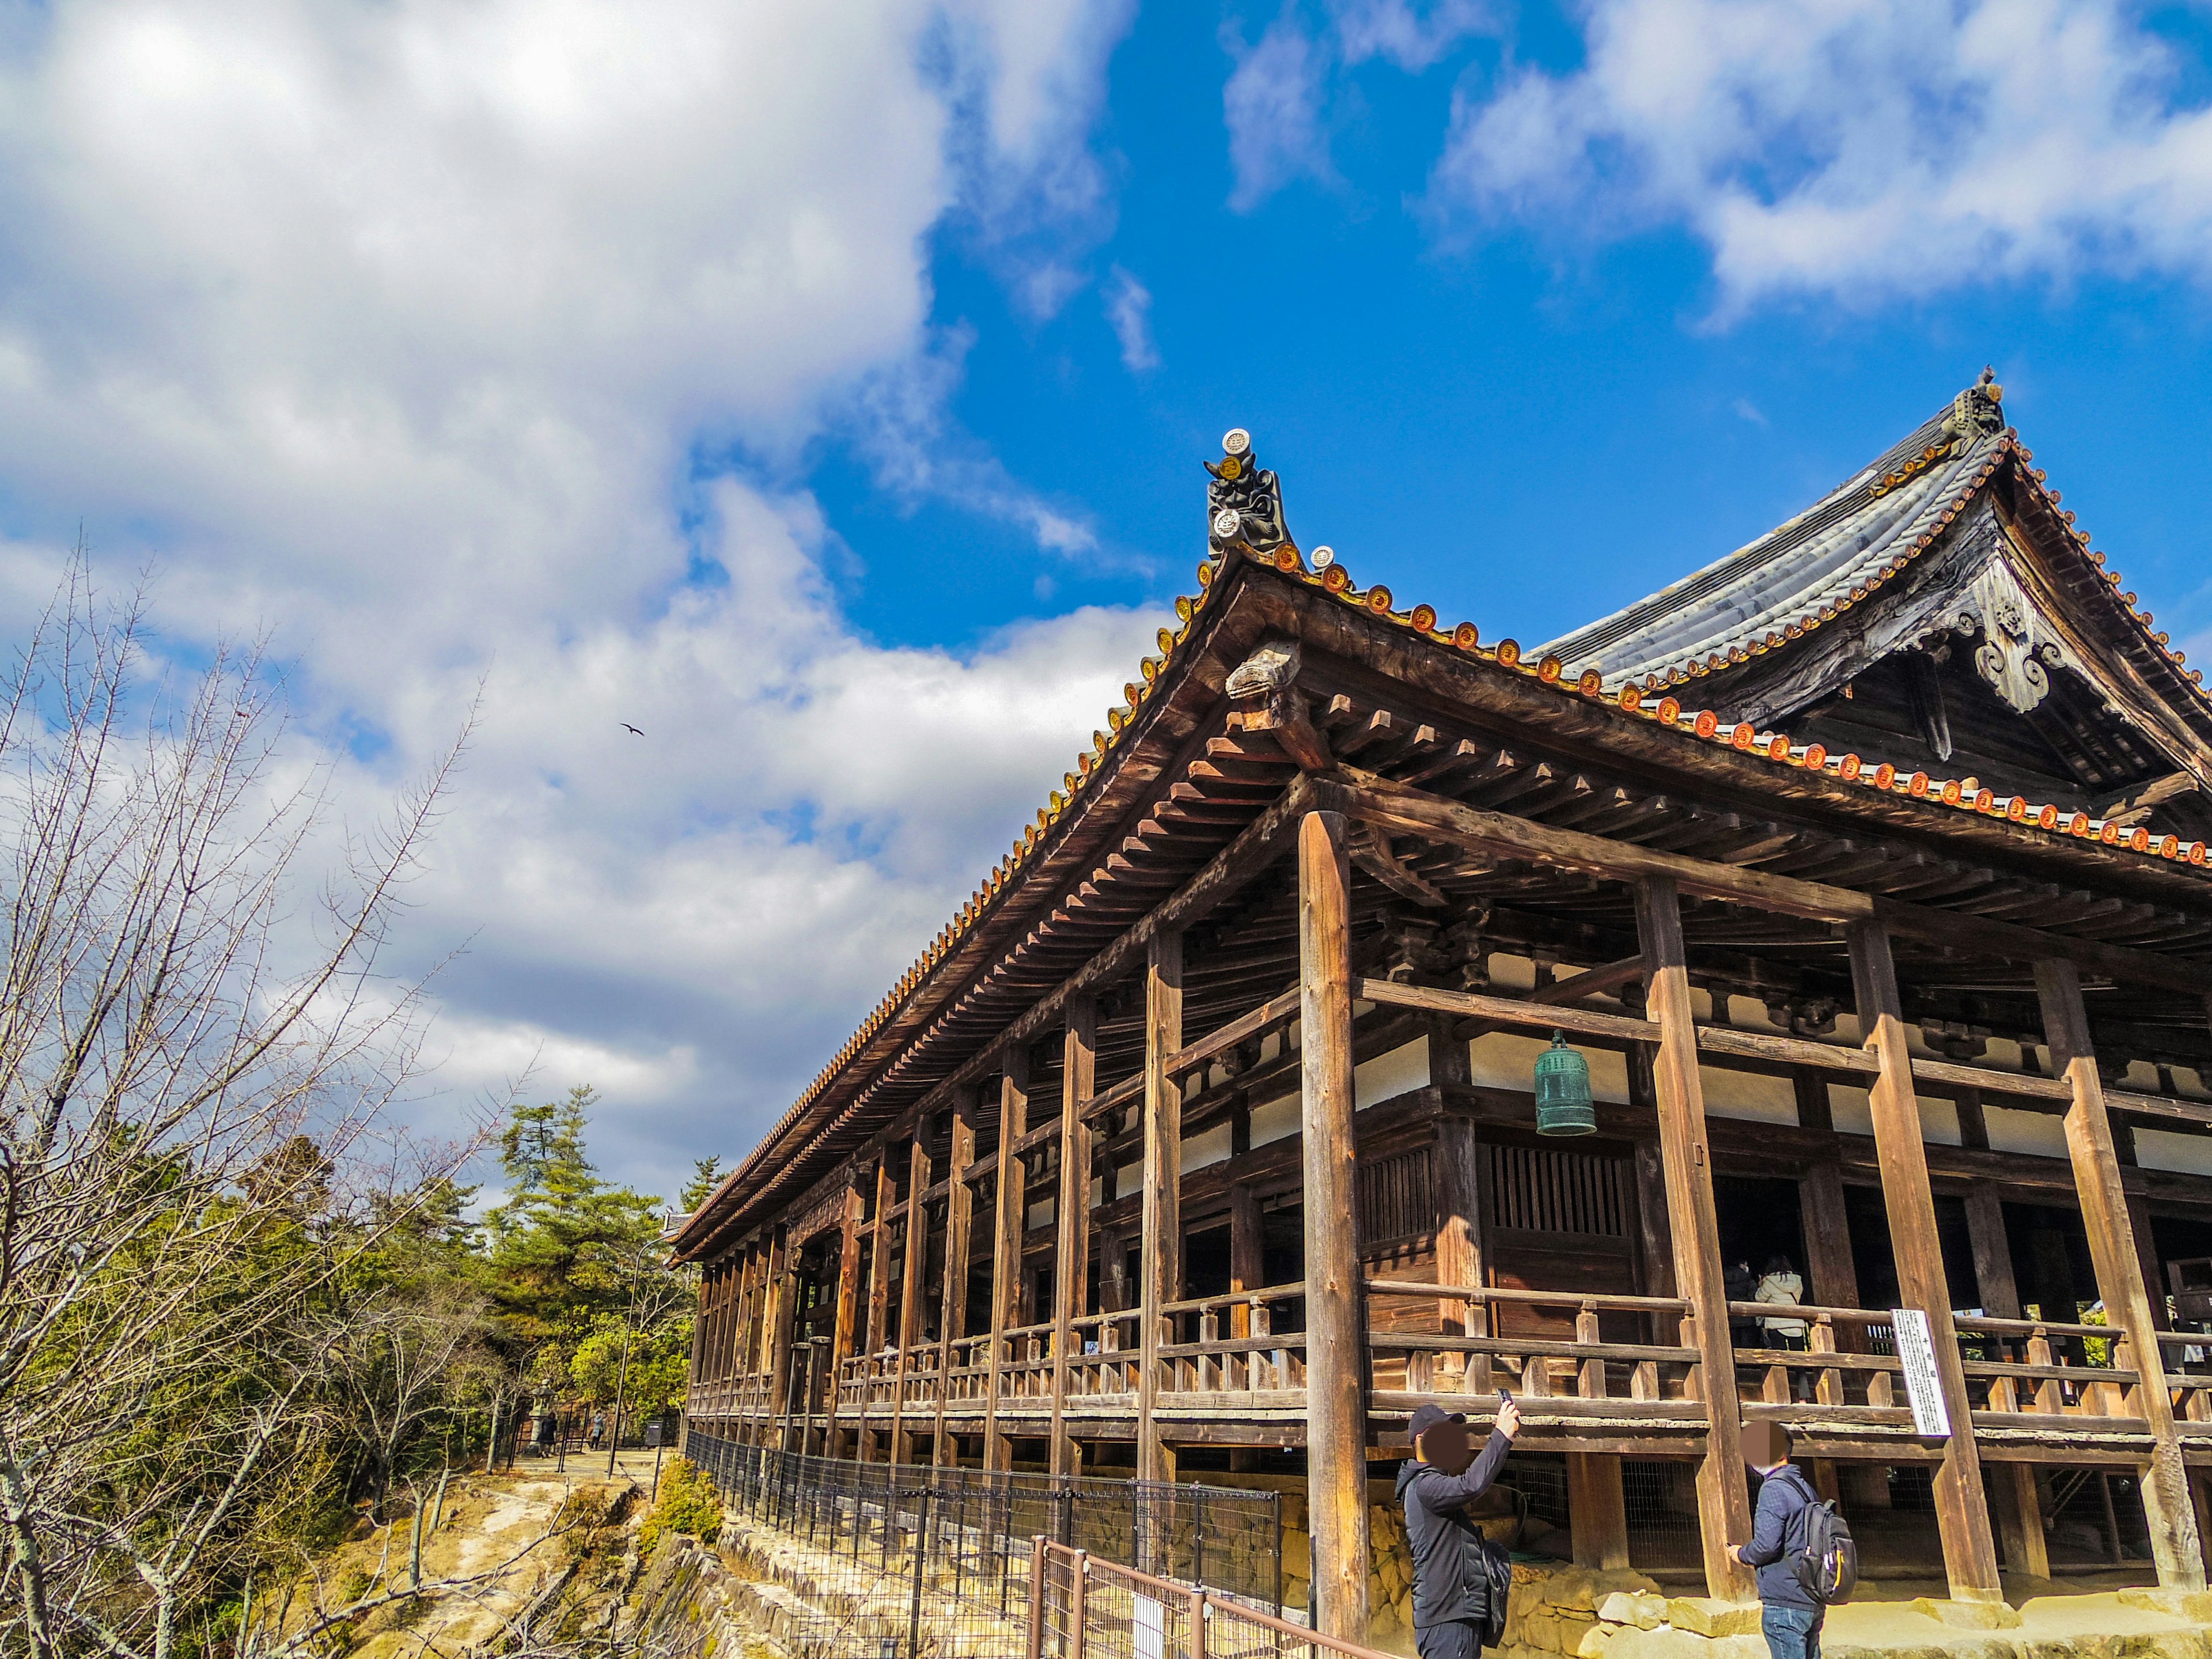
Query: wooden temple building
1866	868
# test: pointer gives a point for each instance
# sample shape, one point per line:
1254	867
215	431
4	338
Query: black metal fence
903	1561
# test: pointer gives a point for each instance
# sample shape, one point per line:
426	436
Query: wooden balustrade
2010	1365
1570	1377
1200	1353
2015	1369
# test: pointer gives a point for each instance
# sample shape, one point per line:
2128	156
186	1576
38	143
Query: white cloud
1408	34
1275	103
1858	151
1129	309
1273	106
408	329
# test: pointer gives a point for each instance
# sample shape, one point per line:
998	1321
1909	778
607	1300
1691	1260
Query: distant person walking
1452	1595
1790	1616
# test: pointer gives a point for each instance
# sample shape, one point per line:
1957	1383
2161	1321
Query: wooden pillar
1162	1207
846	1319
1655	1236
910	1316
1723	1498
1597	1508
1246	1270
1831	1275
1011	1213
1831	1271
1113	1271
1455	1179
781	1312
1070	1261
1962	1513
2020	1518
1336	1337
1985	1225
875	1331
959	1212
2166	1505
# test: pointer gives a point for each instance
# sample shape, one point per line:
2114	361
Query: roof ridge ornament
1243	502
1978	411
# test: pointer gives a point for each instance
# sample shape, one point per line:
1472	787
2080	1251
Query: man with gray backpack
1800	1545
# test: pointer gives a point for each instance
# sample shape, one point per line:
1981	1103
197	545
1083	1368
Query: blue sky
823	390
1524	428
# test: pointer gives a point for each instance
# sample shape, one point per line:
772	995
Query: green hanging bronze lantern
1563	1091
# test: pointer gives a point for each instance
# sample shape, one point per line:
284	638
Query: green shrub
688	1504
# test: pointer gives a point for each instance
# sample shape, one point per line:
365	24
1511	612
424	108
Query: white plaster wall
1939	1123
1749	1095
1404	1069
1507	1060
1276	1120
1212	1147
2043	1133
2161	1149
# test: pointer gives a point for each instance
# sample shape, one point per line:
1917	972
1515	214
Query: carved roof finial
1244	504
1979	410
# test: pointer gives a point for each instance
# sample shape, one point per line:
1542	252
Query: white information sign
1149	1626
1916	1346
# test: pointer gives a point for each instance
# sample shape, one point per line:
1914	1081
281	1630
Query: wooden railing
1102	1357
1405	1367
1243	1345
2011	1367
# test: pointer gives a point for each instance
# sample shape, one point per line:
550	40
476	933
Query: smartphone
1506	1397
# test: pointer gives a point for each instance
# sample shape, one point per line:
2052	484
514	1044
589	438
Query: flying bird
632	730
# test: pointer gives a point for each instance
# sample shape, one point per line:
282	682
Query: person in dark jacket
1451	1588
1788	1616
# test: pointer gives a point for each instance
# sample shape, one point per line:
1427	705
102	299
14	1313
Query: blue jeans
1791	1632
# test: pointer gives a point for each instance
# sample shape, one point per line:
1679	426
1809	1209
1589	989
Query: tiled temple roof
1832	556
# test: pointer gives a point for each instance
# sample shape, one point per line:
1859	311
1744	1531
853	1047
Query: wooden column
1831	1274
1336	1335
2020	1518
1011	1212
1985	1225
1246	1270
1455	1177
846	1320
1163	1197
879	1288
1723	1502
959	1211
1655	1236
779	1314
909	1306
2166	1505
1962	1513
1070	1261
1597	1508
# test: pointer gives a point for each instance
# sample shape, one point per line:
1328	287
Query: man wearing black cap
1451	1583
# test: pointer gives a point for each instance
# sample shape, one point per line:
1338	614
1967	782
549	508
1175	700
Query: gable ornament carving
2018	649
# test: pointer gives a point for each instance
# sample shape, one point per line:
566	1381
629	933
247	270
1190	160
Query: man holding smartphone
1451	1573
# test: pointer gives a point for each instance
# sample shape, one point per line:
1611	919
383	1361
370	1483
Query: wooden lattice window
1396	1207
1536	1190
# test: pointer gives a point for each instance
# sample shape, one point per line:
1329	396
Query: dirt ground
500	1540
